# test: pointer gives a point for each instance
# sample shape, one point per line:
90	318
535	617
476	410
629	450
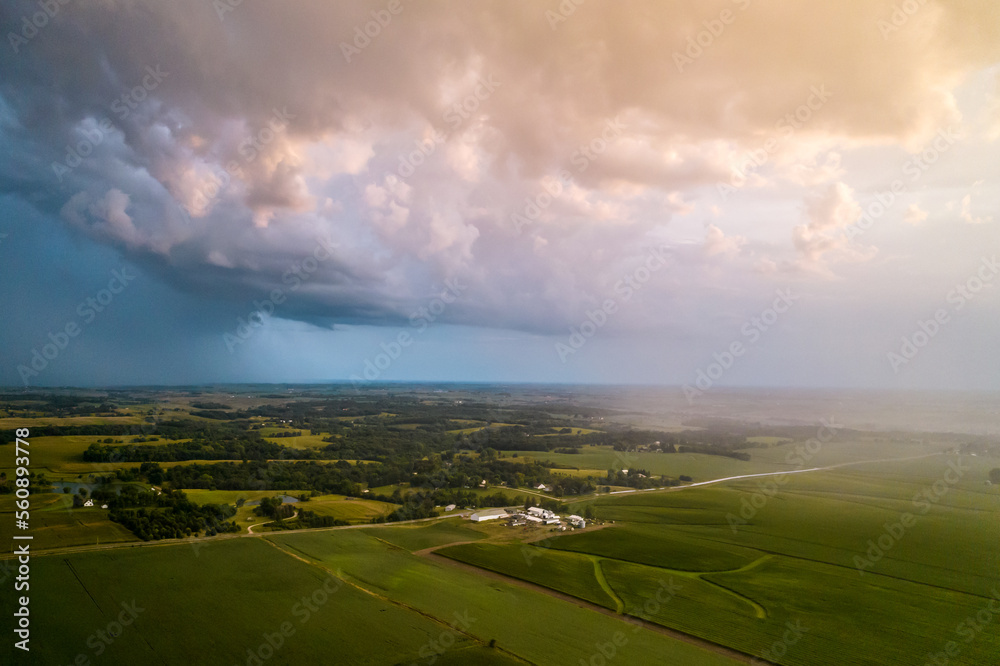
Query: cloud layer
534	156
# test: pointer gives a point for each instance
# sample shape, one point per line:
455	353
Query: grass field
62	457
19	422
337	506
301	442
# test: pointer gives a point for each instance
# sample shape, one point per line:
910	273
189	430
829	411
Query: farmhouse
576	521
488	514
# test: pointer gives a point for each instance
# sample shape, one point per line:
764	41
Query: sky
721	193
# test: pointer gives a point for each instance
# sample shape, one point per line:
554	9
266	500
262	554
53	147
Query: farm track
605	585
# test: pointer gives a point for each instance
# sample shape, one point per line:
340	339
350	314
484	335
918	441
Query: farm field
207	587
566	572
336	506
698	466
61	457
418	537
10	423
747	571
55	524
304	441
780	457
530	624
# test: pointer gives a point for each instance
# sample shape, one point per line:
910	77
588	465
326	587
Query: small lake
285	499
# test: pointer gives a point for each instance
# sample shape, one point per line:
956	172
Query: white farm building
488	514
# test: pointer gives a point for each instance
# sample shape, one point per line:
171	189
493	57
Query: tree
588	512
995	476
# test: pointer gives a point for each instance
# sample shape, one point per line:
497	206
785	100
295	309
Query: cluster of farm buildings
533	515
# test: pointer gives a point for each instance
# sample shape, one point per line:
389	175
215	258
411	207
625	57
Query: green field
530	624
211	588
790	558
418	537
571	573
55	523
699	467
303	441
352	510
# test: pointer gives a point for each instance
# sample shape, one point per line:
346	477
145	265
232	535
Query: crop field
652	545
699	467
418	537
846	448
750	560
56	524
580	473
207	587
562	571
528	623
